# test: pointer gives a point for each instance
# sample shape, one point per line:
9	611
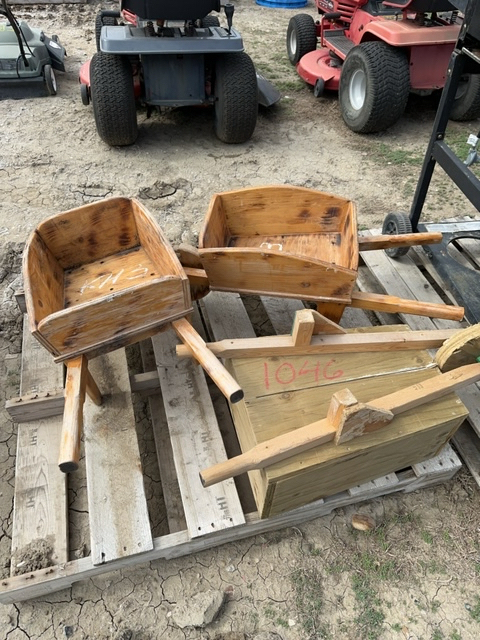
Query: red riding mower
375	53
167	53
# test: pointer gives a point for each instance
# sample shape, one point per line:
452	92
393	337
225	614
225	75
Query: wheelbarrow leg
215	369
78	382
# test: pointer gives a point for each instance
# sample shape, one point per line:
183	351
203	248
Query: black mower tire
384	71
50	81
210	21
396	223
466	105
101	21
301	37
113	99
236	98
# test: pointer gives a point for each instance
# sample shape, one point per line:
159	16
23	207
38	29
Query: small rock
362	522
200	610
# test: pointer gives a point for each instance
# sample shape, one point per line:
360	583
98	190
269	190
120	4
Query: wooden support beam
268	346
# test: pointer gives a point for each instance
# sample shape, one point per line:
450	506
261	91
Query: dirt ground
416	575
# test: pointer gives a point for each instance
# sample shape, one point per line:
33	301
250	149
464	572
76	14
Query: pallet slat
40	499
196	441
114	470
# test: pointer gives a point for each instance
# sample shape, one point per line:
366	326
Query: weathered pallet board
40	501
224	315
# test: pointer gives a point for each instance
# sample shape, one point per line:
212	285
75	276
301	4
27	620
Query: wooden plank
35	406
170	488
196	441
468	445
114	471
281	311
227	316
40	498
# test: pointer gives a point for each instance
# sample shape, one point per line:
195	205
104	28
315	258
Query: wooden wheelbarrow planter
99	278
309	459
299	243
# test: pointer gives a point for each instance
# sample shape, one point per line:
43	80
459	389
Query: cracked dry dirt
416	575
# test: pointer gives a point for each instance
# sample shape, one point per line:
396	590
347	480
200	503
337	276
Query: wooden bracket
351	418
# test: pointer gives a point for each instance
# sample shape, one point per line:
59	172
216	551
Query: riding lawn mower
167	53
375	53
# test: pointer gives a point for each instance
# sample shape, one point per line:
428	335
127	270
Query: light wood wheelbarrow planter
299	243
99	278
327	438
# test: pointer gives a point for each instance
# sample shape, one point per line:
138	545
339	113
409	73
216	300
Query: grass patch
385	154
307	585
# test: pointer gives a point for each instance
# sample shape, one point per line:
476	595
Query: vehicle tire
50	80
396	223
301	37
466	105
101	21
236	98
85	94
210	21
319	87
374	87
113	99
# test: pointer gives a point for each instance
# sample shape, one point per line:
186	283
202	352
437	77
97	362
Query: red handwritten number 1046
286	373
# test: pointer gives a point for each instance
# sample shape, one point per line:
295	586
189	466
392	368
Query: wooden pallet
192	430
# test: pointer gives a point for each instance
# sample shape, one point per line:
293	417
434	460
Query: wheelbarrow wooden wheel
396	223
461	349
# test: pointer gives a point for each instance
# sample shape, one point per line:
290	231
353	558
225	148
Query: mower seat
170	9
421	6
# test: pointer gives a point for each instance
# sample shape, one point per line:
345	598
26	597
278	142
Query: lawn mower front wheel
113	99
236	98
374	87
50	80
396	223
301	37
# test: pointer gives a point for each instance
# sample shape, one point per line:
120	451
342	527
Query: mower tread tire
113	99
466	106
396	223
301	37
236	98
387	86
101	21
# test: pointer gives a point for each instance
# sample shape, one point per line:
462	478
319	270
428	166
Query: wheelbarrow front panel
281	240
120	319
272	273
